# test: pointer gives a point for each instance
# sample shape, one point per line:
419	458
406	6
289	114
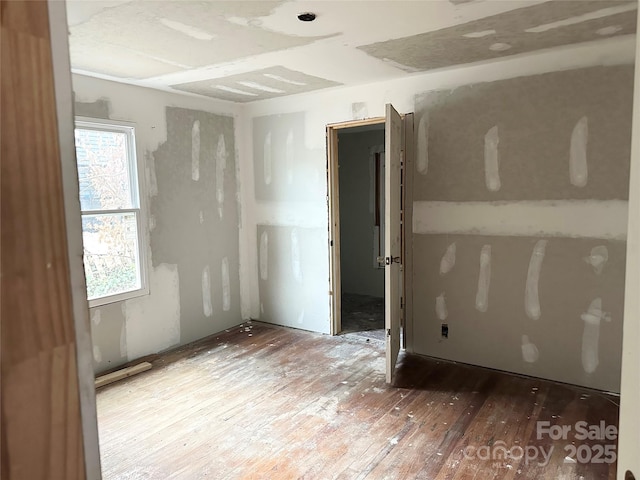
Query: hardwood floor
268	402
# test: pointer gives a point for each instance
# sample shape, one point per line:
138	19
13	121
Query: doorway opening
361	187
367	185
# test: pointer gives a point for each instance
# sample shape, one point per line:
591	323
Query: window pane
111	255
103	170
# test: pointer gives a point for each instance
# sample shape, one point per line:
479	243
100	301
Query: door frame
333	200
333	204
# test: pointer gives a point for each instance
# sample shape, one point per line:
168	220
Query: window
111	215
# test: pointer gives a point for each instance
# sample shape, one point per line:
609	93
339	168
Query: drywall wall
544	302
285	222
305	204
358	236
187	148
290	276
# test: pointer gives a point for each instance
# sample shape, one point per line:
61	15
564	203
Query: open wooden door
392	244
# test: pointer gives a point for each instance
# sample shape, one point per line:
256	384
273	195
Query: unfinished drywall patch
531	296
285	168
491	161
546	25
195	151
107	322
96	316
530	352
150	174
536	117
285	300
484	279
97	354
494	338
221	165
578	165
153	324
483	33
598	258
179	207
591	335
207	306
123	333
422	155
295	256
257	85
547	218
610	30
359	110
499	47
267	150
98	109
264	255
226	285
448	259
441	307
605	11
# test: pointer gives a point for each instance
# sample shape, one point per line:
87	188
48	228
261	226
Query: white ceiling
161	44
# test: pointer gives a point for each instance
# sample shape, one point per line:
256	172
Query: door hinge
401	303
388	332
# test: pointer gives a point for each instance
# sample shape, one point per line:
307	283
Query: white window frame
136	175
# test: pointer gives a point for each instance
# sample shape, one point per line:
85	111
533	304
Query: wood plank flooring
267	402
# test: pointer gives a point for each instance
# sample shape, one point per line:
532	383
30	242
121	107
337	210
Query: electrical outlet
445	330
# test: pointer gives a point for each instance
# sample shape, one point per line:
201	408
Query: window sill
118	297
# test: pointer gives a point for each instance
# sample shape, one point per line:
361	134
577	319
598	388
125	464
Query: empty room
320	239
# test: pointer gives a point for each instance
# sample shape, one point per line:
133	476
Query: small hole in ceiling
307	17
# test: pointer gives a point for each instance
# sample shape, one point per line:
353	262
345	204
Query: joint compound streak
422	160
221	165
295	256
195	151
592	319
578	168
441	307
448	259
484	279
226	285
530	353
598	258
531	294
491	160
264	256
206	292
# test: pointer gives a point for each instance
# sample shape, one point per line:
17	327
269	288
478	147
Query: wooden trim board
121	374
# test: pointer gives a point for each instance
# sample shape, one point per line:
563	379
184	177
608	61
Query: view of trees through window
110	211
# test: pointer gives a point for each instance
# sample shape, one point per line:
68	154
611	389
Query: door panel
392	244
